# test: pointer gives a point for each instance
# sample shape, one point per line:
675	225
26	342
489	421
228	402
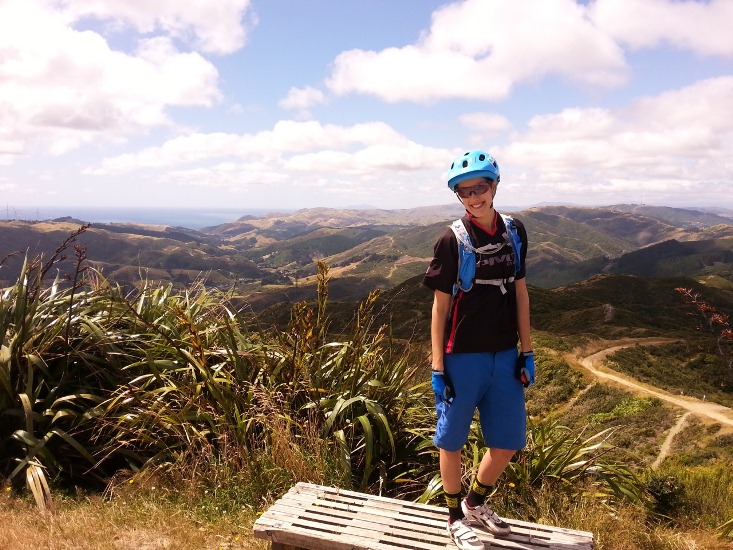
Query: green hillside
273	258
672	258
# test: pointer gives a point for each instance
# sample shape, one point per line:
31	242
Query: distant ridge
271	257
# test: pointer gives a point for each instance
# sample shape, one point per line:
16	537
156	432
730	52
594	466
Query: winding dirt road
691	405
716	412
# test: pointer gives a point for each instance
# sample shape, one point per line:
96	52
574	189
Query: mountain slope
124	252
273	257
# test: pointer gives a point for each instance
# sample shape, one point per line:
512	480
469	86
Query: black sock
478	493
453	502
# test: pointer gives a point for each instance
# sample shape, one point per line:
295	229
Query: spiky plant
54	362
203	376
190	380
570	463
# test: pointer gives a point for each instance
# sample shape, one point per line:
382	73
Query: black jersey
483	319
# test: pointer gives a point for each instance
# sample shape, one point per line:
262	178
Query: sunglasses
478	189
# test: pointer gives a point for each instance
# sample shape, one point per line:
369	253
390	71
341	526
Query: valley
273	257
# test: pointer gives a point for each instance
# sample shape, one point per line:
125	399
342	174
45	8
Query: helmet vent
465	163
482	157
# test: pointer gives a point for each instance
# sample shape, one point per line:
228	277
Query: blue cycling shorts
483	381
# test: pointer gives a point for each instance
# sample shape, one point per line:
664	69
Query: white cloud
286	138
657	145
302	99
503	43
80	90
702	27
500	43
212	27
363	160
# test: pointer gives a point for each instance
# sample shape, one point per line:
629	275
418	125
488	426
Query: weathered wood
313	517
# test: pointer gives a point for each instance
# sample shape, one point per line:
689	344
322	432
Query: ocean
191	218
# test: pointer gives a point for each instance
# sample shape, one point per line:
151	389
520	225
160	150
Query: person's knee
505	454
449	443
451	456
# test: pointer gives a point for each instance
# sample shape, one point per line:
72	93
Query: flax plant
364	391
202	377
53	355
191	380
574	464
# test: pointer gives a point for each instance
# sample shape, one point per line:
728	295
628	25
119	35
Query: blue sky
306	103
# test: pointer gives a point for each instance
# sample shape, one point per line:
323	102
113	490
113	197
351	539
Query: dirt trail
667	445
716	412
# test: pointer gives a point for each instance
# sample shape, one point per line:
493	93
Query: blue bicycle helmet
473	164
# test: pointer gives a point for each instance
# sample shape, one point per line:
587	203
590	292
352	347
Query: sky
289	104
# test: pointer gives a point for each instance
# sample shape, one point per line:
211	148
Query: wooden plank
380	516
331	523
394	512
314	517
375	518
342	495
305	537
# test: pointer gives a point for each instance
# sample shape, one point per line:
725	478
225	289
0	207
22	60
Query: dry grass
621	530
127	523
623	527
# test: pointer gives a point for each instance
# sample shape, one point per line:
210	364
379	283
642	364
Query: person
475	360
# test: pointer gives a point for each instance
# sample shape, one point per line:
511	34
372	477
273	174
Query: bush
668	495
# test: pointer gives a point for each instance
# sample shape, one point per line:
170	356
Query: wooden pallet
314	517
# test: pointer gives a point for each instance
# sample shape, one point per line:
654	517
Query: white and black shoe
485	516
463	536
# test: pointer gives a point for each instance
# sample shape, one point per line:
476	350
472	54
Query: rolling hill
273	257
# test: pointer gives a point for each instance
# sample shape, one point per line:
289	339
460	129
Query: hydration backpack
467	256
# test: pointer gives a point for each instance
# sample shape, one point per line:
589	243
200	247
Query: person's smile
477	196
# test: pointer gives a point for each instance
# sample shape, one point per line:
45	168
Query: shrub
667	493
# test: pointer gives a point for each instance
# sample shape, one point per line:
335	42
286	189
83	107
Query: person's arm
441	305
523	324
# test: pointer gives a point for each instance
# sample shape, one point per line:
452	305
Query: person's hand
438	382
524	370
442	386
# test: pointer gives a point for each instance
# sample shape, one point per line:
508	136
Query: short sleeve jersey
483	319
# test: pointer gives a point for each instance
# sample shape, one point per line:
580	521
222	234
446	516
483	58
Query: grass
135	521
160	518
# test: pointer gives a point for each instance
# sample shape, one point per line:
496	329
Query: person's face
477	195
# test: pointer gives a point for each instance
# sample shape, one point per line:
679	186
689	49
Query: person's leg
490	469
503	423
450	472
474	506
493	465
451	432
455	416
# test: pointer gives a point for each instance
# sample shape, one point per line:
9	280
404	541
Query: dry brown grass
128	523
625	527
621	530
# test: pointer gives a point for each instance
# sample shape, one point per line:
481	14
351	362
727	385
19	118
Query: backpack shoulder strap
466	258
514	240
462	234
